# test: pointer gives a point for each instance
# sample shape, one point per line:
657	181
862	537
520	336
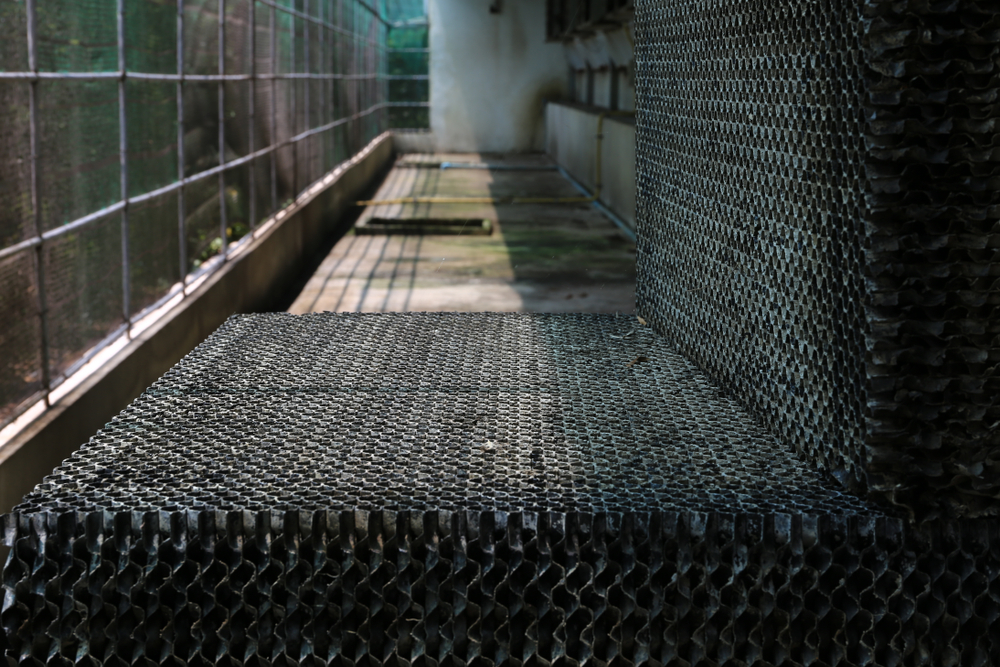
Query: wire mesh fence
143	138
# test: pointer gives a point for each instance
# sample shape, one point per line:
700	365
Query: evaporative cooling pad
470	489
818	206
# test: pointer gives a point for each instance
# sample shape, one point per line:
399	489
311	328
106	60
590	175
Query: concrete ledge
414	141
253	279
570	138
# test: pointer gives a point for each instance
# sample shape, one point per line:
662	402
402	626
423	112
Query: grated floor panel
422	411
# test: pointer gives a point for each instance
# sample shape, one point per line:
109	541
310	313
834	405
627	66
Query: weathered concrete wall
413	141
600	65
571	133
255	278
490	75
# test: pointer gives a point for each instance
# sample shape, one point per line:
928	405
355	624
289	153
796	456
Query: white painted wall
490	75
600	64
572	143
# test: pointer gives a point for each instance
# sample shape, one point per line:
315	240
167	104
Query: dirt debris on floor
539	258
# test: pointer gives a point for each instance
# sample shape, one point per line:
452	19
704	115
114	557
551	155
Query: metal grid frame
335	31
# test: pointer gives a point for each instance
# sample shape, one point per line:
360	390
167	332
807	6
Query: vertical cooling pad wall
817	227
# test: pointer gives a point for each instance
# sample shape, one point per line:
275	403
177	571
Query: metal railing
347	42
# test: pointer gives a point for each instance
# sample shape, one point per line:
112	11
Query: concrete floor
540	258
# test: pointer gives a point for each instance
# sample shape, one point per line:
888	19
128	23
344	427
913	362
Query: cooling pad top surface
504	412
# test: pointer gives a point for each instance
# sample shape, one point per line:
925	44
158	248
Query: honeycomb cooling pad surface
484	412
818	197
469	489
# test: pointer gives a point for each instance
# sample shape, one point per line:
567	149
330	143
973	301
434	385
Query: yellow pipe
598	183
476	200
598	180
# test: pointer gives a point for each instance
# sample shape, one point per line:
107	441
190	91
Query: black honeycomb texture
482	411
818	190
470	489
491	588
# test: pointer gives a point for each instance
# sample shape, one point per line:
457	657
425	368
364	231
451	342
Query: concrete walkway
540	258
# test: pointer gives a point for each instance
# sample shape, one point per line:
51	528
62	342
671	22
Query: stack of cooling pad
796	463
470	489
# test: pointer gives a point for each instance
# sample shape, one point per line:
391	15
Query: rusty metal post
274	107
222	129
123	165
36	204
252	112
181	212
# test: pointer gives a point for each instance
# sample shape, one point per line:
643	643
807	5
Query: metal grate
406	488
404	411
818	233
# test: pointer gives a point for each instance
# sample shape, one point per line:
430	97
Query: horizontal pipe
621	224
493	167
20	247
41	76
84	221
476	200
173	187
598	178
149	76
476	165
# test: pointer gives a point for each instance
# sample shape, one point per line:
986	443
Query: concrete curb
252	279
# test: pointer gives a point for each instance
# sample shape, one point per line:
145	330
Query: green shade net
175	233
409	31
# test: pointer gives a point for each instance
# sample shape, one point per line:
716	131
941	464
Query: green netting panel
83	286
152	134
408	62
20	372
151	36
153	248
15	192
77	35
20	376
13	36
78	168
79	149
15	165
237	29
